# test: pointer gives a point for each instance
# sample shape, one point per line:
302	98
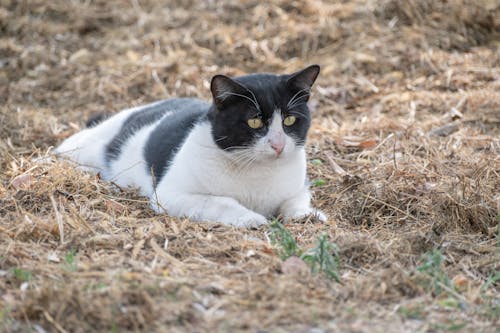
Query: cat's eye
289	121
255	123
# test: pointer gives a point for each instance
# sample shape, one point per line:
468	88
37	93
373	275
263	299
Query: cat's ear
224	88
304	79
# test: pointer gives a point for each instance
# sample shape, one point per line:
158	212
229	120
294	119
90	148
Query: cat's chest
262	189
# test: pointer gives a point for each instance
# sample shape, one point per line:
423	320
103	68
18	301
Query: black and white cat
237	161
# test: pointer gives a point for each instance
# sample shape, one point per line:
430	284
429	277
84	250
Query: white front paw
320	215
302	213
249	220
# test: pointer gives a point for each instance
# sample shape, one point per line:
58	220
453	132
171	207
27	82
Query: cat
239	160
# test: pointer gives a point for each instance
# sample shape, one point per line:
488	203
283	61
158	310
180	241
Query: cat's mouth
273	154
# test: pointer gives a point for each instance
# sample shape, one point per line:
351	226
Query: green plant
492	279
324	257
283	240
5	318
449	327
114	327
412	312
318	182
21	274
432	268
70	261
491	306
498	230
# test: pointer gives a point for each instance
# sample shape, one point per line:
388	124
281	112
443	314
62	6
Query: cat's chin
273	157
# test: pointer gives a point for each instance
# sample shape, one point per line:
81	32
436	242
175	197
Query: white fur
130	168
87	146
241	188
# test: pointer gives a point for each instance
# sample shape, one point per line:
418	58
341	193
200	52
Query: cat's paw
249	220
320	215
303	213
43	160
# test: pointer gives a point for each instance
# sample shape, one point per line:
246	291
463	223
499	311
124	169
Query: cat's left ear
304	79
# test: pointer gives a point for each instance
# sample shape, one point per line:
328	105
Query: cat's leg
200	207
299	206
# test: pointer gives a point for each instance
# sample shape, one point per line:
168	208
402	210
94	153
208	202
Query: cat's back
102	144
169	134
170	114
148	139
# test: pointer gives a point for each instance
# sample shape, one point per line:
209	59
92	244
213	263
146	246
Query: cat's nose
278	147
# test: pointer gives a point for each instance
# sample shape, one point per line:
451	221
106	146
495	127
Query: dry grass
405	141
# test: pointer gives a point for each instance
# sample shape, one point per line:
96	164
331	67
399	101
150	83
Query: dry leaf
22	181
356	142
460	281
367	144
114	206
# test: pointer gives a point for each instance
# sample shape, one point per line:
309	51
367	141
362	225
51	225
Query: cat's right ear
224	88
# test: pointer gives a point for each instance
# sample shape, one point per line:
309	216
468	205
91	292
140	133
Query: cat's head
262	116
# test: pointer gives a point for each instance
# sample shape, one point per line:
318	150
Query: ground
403	156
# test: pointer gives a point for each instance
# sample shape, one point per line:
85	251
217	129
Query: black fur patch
137	120
171	132
97	119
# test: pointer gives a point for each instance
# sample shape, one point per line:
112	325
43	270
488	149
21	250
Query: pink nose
278	147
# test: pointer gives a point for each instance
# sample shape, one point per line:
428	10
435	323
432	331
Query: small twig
51	320
391	206
81	220
337	168
445	130
162	253
394	153
452	292
58	219
157	79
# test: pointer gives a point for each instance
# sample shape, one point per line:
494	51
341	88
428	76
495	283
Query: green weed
412	312
491	305
318	182
492	279
114	327
449	327
498	230
5	318
439	281
70	261
322	258
22	275
284	241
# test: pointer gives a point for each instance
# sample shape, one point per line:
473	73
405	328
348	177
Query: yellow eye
289	121
255	123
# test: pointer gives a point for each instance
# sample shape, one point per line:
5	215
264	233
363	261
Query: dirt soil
404	155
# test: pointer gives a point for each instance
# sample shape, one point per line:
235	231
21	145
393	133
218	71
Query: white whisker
298	101
298	96
254	102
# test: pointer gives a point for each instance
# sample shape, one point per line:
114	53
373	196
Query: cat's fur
204	161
